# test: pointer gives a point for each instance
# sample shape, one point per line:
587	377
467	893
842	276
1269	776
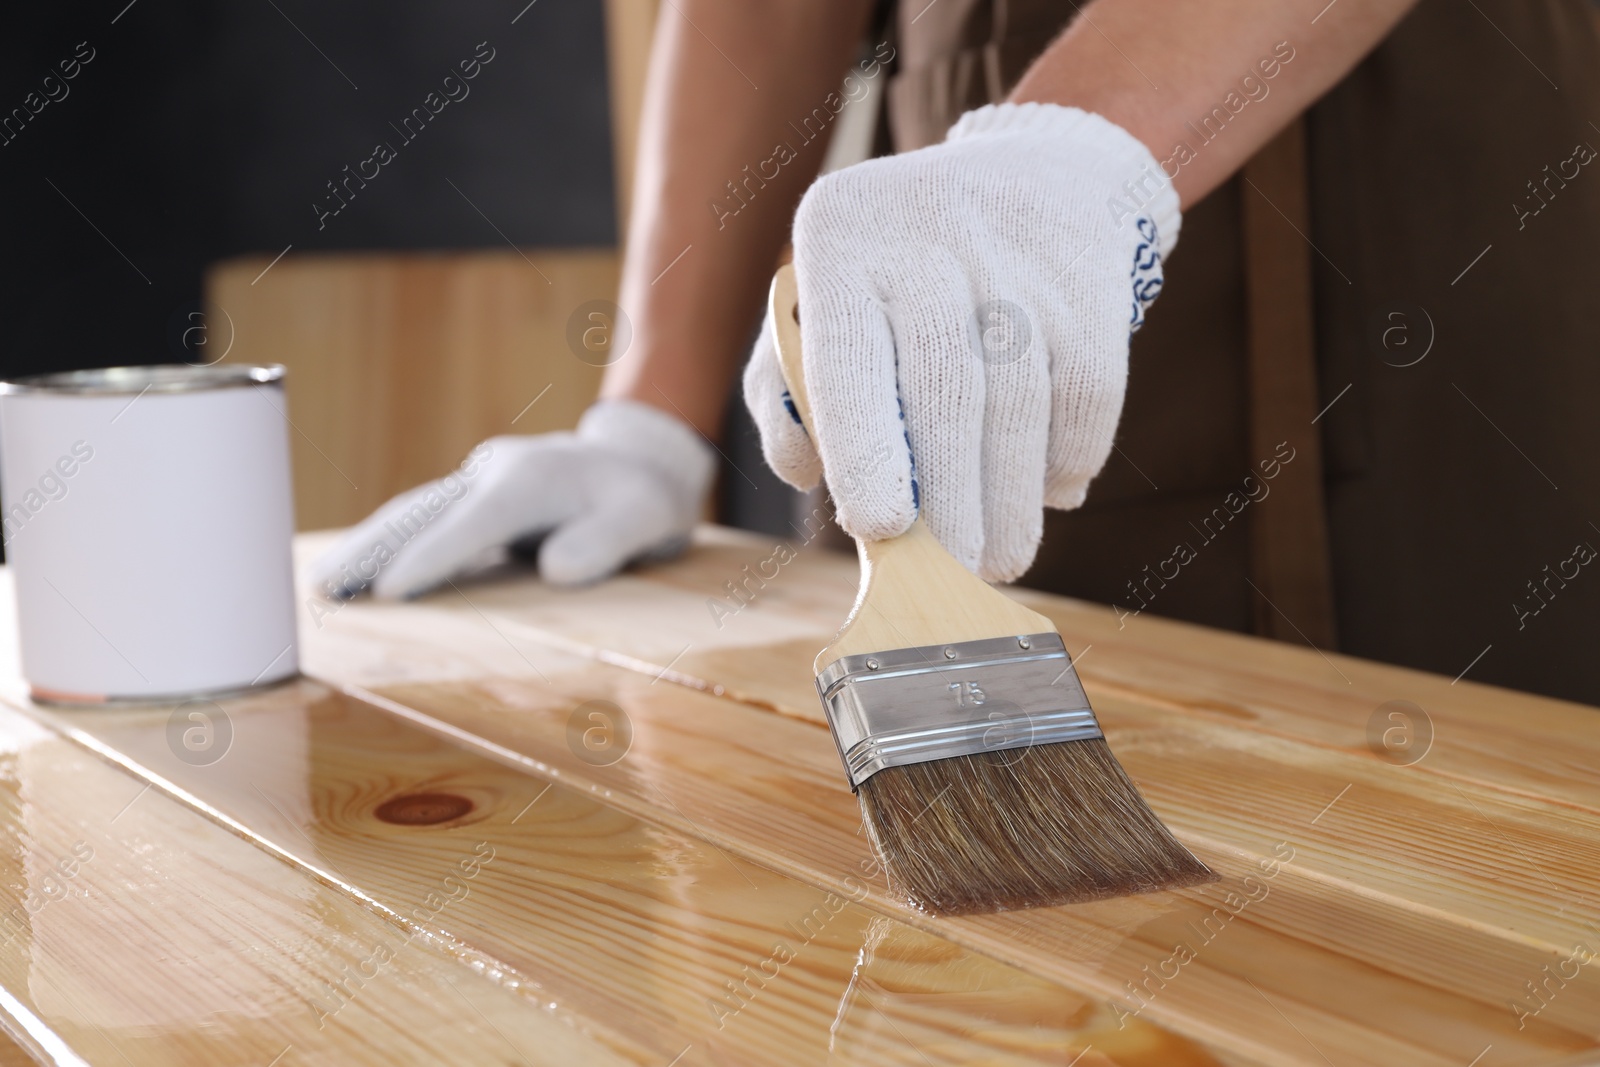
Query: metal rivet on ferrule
1023	642
949	653
872	664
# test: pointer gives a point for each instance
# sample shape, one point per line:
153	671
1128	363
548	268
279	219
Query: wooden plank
1499	739
675	941
687	616
400	363
1383	944
139	932
12	1053
630	27
1389	917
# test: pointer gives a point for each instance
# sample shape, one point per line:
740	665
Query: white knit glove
628	484
972	300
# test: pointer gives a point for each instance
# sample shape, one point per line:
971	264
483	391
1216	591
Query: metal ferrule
912	705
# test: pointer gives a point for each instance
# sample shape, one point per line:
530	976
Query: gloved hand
628	484
965	311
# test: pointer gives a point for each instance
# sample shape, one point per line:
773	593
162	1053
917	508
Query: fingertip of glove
569	565
1002	574
868	522
798	471
1008	564
1067	497
564	577
329	576
389	588
961	535
342	591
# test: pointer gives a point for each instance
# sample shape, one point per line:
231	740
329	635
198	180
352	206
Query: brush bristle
1021	828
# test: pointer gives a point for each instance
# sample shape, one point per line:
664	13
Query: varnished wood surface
13	1054
148	934
1368	913
1420	900
639	923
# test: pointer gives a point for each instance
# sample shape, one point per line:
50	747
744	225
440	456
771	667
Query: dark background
204	130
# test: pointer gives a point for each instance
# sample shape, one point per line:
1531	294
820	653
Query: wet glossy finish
668	939
546	894
139	931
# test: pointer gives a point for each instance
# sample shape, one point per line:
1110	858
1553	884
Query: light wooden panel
630	27
400	363
15	1051
681	946
1419	900
685	615
1383	948
149	935
12	1054
1368	913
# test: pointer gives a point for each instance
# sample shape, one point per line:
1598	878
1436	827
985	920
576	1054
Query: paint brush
985	781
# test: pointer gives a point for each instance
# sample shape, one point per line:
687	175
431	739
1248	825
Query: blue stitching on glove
1146	275
794	413
916	491
905	432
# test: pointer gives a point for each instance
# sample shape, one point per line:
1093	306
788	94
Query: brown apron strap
1289	563
994	76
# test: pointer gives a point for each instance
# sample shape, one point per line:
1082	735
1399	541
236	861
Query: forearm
1204	86
700	254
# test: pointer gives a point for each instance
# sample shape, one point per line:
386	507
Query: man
1045	220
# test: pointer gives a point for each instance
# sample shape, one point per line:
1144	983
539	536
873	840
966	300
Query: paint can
147	518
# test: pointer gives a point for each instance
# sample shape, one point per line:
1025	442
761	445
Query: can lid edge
156	378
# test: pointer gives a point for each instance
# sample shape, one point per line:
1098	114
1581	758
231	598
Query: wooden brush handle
912	591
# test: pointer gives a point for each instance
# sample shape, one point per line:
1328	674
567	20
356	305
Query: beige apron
1448	532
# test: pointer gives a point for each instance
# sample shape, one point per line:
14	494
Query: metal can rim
156	378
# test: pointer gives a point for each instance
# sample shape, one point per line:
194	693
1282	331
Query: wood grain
681	946
630	27
15	1052
400	363
1416	906
139	932
703	613
1381	945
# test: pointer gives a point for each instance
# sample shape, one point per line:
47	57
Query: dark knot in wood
423	809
